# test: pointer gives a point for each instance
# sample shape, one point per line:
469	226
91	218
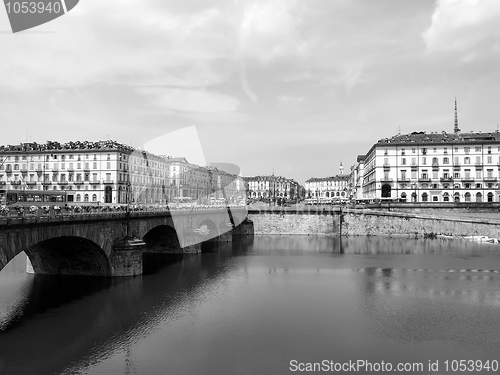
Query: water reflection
252	306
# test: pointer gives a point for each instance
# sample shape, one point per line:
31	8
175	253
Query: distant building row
110	172
272	188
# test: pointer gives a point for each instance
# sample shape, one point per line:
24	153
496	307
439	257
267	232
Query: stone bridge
111	244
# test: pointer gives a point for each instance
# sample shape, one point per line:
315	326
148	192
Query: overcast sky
292	85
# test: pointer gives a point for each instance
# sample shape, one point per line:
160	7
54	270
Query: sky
290	86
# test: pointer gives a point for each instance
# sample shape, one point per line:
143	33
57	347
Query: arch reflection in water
83	319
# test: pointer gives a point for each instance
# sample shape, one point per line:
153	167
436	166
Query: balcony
435	164
403	179
63	182
78	182
446	179
18	182
467	179
424	179
3	182
31	183
46	183
24	170
94	182
108	182
490	179
386	179
386	165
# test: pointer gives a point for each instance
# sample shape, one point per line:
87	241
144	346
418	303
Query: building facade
108	172
434	167
272	187
329	189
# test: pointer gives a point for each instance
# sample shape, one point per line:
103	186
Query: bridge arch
69	255
162	238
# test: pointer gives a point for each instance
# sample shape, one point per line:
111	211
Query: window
478	149
86	197
108	165
94	197
413	161
424	151
456	175
385	153
434	174
466	150
435	198
413	150
413	174
489	159
402	151
467	160
425	196
489	149
403	175
403	161
446	197
478	160
445	150
478	173
467	197
489	172
478	186
424	160
78	197
446	161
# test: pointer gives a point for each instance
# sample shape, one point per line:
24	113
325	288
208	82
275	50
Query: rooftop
443	137
331	178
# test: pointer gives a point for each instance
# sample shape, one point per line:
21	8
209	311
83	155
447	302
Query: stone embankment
372	222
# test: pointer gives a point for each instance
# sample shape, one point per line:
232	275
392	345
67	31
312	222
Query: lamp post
127	199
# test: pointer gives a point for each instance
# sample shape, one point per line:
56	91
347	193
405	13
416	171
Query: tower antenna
456	129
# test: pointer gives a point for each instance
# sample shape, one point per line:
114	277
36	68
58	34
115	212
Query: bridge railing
76	211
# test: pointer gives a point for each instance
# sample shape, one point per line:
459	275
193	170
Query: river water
261	306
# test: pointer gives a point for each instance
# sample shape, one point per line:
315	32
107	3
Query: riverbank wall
371	222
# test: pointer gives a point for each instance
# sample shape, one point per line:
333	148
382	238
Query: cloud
269	29
285	99
197	101
458	25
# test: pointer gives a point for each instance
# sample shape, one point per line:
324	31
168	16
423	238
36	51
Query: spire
341	168
456	129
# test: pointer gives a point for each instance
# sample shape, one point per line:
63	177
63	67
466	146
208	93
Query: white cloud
269	30
285	99
197	101
461	24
